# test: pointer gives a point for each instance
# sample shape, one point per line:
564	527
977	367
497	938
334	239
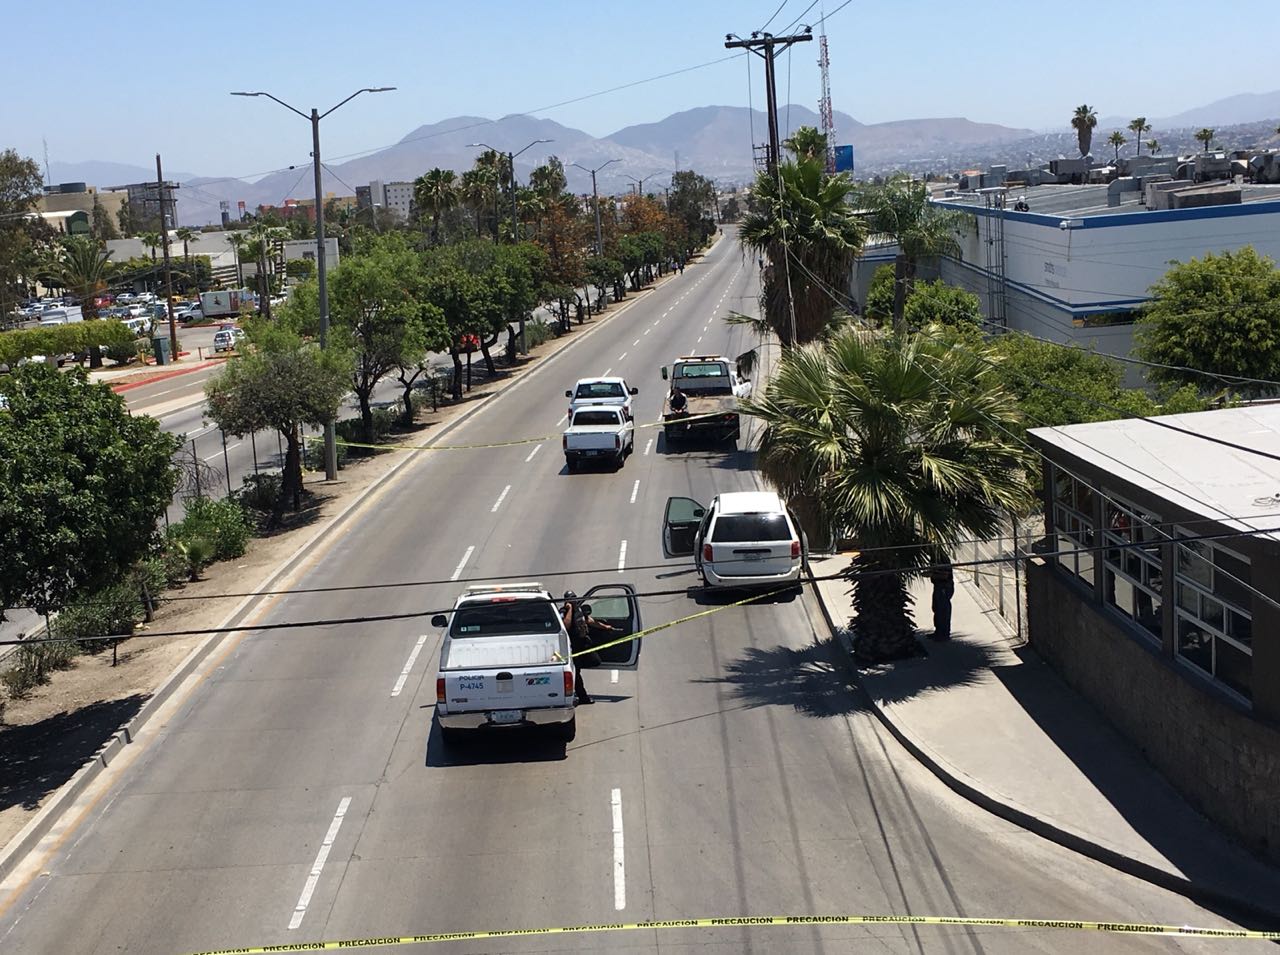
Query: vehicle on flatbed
598	433
505	660
710	386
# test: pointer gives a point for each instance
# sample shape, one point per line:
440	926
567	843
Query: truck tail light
706	552
568	683
439	689
795	549
564	442
617	441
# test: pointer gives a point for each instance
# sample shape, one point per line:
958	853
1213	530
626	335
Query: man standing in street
579	622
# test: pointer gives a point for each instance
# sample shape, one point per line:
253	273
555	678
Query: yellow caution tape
1121	928
648	631
493	444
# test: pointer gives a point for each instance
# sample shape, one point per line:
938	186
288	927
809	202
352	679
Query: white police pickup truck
505	660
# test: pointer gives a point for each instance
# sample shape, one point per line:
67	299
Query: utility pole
595	201
767	46
168	273
330	431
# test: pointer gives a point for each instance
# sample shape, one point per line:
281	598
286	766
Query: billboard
844	159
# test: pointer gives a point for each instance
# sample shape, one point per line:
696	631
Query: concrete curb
1006	808
162	376
27	838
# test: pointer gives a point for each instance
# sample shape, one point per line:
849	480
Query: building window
1132	567
1215	624
1073	528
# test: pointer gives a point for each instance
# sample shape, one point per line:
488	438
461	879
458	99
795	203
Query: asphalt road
734	774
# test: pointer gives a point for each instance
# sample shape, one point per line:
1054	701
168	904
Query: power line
791	26
852	575
766	22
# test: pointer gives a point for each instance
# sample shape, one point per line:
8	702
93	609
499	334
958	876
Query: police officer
579	622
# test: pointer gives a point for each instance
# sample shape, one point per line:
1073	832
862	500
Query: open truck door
616	605
680	526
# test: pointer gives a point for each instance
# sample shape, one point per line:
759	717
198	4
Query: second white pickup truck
599	433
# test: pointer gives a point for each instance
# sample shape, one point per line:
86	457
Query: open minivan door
680	526
616	605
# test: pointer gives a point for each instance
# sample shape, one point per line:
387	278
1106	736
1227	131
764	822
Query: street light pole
322	275
595	200
515	218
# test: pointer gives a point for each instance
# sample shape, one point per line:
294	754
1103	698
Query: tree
1117	140
1153	146
811	233
899	211
21	238
1057	384
435	192
377	315
898	440
260	247
937	303
478	190
1219	314
81	268
187	235
1083	121
549	179
153	241
282	382
238	241
1139	127
807	143
692	199
879	305
100	226
82	485
731	212
1205	137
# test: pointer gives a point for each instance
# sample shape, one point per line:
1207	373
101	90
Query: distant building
396	197
81	197
148	204
1174	637
67	222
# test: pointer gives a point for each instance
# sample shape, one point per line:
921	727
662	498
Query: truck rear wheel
565	732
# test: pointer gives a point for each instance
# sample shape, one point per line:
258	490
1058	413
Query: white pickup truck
506	662
599	433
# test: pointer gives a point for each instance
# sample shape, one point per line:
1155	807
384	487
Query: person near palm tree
944	588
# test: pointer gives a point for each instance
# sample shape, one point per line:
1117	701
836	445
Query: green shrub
351	430
259	492
151	573
111	611
537	331
31	665
313	454
222	525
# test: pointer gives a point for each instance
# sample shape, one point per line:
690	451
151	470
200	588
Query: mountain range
713	140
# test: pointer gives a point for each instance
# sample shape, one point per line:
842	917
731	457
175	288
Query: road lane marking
647	446
230	448
613	676
635	489
635	343
606	372
300	910
457	571
622	557
562	420
619	855
699	341
622	356
408	667
648	330
536	449
501	497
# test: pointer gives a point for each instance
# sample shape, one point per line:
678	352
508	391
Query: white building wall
399	198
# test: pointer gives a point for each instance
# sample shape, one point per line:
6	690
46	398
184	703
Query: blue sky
99	83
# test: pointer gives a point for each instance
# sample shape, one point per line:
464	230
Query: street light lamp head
378	89
246	94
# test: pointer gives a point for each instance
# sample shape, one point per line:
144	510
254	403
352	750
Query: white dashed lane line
501	497
300	910
648	445
622	557
457	571
536	449
635	489
408	667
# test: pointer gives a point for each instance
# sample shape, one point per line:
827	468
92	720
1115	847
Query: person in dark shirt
579	622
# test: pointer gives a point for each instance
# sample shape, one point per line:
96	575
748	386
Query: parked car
744	539
139	326
227	339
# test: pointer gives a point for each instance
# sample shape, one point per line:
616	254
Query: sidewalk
996	724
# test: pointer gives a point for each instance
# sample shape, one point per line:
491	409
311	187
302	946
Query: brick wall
1225	762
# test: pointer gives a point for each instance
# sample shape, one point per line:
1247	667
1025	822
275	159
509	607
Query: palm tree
260	247
899	211
1139	127
1083	122
152	240
899	440
807	143
499	168
1153	146
237	241
186	235
1117	140
802	219
81	268
1205	136
436	191
478	186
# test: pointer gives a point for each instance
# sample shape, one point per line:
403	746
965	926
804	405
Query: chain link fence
1003	580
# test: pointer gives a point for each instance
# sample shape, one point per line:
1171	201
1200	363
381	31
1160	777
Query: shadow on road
488	747
37	758
806	679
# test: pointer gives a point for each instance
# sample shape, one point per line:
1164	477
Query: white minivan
744	539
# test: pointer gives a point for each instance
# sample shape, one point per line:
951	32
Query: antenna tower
824	105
